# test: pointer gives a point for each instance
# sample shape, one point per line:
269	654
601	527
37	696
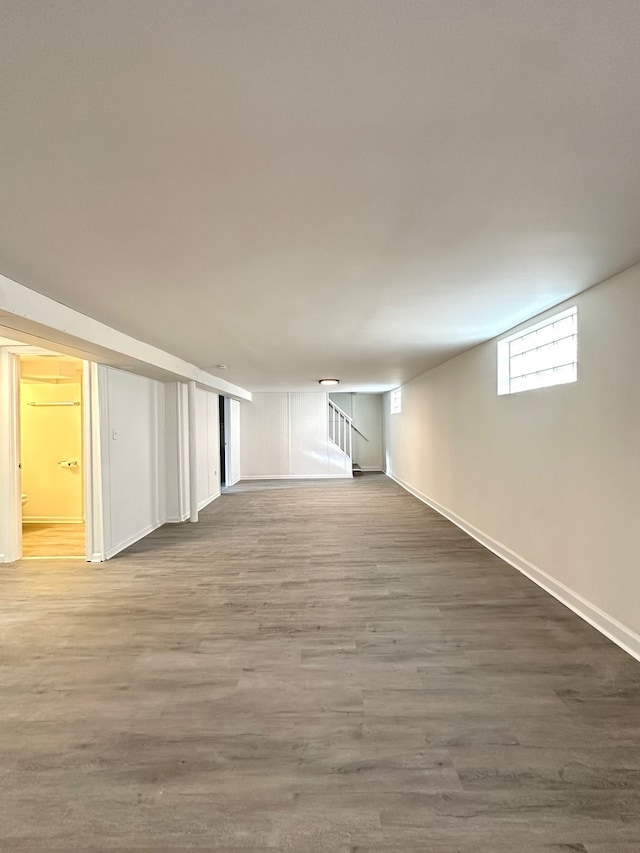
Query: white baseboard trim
608	625
375	468
177	519
207	501
96	558
51	519
111	552
297	477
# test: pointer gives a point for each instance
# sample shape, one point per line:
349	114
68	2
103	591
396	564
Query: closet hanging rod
70	403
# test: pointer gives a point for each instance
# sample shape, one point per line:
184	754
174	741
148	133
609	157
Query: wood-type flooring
315	666
53	540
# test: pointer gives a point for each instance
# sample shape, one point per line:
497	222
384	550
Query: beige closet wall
49	435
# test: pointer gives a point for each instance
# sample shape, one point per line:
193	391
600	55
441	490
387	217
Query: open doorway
51	456
223	441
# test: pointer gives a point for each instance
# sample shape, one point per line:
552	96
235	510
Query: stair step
356	469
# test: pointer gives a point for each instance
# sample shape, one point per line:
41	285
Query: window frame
505	357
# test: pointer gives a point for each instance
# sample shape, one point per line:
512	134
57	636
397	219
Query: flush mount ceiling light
222	366
329	381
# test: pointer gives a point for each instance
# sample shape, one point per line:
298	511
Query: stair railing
340	425
340	429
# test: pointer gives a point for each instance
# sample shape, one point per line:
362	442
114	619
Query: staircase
341	429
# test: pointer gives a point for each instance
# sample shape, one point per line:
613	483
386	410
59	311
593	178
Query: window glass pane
564	327
542	356
566	374
547	334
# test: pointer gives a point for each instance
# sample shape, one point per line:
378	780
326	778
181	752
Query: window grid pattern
396	401
542	356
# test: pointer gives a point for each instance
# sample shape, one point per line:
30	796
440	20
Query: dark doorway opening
223	443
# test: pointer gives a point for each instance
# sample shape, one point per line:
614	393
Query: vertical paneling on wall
264	431
133	456
176	451
285	434
308	435
207	446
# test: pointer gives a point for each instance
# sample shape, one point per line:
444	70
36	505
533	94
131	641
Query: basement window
396	401
541	355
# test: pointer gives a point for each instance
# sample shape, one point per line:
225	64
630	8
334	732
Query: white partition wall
207	447
308	446
233	438
144	463
176	451
144	460
264	431
286	434
547	478
132	432
136	441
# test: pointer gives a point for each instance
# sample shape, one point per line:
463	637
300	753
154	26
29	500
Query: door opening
223	442
51	456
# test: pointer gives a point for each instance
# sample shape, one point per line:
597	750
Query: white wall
132	432
143	455
547	478
286	434
233	438
207	446
264	436
176	451
365	410
176	419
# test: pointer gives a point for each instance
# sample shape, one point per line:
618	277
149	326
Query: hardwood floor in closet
53	540
315	666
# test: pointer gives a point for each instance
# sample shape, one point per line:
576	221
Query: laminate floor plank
315	666
53	540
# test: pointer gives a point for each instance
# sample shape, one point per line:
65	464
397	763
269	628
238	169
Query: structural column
9	473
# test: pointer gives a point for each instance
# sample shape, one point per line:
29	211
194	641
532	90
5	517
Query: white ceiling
302	188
